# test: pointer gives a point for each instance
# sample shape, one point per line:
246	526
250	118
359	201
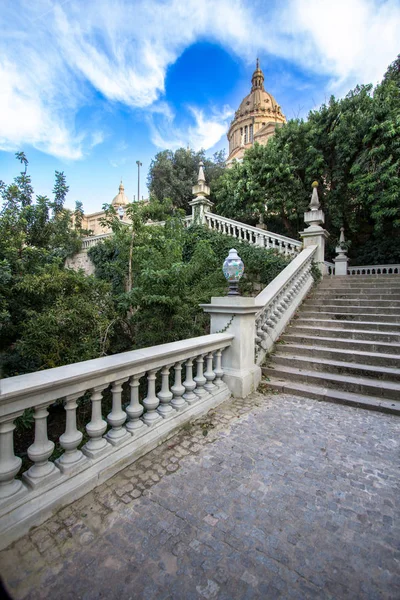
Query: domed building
92	222
255	120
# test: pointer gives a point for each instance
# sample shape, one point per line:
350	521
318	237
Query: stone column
236	315
315	235
341	260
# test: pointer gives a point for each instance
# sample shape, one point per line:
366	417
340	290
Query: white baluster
165	395
219	373
210	375
9	463
40	451
70	440
117	417
189	384
267	239
177	389
200	379
151	402
97	426
135	410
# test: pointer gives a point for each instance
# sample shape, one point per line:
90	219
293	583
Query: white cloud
350	41
56	55
204	133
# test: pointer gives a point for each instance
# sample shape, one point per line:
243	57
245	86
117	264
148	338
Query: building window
251	133
245	135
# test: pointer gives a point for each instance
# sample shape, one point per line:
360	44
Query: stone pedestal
341	260
236	315
315	235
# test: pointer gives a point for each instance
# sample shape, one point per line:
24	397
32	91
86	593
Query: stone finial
200	204
201	178
341	259
314	204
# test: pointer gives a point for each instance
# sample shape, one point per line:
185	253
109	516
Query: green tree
49	316
173	174
60	191
351	147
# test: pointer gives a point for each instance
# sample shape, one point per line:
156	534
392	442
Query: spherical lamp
233	270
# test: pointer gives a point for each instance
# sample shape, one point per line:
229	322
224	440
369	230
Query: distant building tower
255	120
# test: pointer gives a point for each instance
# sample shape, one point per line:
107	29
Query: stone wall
80	260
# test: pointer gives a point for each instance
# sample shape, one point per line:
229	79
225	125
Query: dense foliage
352	148
173	270
147	288
173	174
49	316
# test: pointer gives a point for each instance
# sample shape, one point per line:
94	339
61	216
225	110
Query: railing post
9	463
315	235
201	203
236	315
96	428
117	417
72	458
40	451
341	259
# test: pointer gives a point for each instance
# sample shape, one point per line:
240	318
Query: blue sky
90	86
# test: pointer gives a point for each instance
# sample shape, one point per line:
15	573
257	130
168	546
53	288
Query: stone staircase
343	345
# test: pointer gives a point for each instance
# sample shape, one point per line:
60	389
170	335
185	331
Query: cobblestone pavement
283	498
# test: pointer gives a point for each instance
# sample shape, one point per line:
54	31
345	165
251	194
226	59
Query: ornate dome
260	101
120	199
256	118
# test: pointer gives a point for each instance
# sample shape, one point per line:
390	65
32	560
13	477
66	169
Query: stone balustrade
252	235
374	270
110	443
280	300
329	267
88	242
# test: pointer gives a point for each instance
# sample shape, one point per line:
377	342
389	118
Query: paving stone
284	498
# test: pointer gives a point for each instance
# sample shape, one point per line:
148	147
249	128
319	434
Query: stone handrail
280	300
88	242
374	270
131	432
253	235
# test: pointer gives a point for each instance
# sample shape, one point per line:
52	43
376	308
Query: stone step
353	302
373	295
350	308
387	390
340	315
340	367
342	324
360	356
389	282
320	392
345	343
365	289
364	280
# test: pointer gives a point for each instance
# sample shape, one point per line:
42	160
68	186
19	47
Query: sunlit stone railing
374	270
88	242
124	435
280	300
253	235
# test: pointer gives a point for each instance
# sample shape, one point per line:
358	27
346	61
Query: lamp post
139	164
233	269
